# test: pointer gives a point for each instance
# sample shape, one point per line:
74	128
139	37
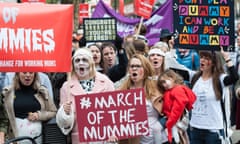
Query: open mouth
134	74
27	80
155	62
81	69
95	57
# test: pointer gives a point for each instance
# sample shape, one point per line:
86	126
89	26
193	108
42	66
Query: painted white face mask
81	66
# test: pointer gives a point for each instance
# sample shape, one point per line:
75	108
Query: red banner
32	1
119	113
83	12
121	7
143	8
35	37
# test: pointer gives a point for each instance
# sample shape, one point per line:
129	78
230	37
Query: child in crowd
177	97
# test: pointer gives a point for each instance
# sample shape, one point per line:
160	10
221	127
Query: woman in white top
208	85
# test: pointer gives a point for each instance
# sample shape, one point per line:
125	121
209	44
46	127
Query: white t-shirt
157	134
207	111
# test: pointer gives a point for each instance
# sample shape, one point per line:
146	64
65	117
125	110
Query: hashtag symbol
85	102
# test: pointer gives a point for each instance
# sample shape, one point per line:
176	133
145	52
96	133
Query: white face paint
81	66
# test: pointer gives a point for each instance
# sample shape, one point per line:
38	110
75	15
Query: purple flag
160	19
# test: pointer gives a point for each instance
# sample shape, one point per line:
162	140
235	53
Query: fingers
221	49
32	116
67	107
70	102
224	53
2	138
112	139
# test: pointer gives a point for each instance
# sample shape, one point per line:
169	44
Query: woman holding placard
84	79
141	76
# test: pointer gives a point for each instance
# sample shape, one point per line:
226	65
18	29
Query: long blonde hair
149	84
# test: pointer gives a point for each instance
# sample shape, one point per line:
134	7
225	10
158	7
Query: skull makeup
82	62
81	65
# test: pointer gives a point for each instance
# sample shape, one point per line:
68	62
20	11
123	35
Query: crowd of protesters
174	80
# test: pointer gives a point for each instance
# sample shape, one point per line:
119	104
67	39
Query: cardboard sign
143	8
119	113
99	29
83	12
35	37
203	24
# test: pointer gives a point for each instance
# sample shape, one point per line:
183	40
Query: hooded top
176	100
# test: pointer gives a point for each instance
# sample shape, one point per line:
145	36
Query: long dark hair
100	50
216	71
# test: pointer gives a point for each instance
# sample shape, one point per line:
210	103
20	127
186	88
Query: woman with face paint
140	76
84	79
176	98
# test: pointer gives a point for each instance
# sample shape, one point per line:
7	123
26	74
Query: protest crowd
187	95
